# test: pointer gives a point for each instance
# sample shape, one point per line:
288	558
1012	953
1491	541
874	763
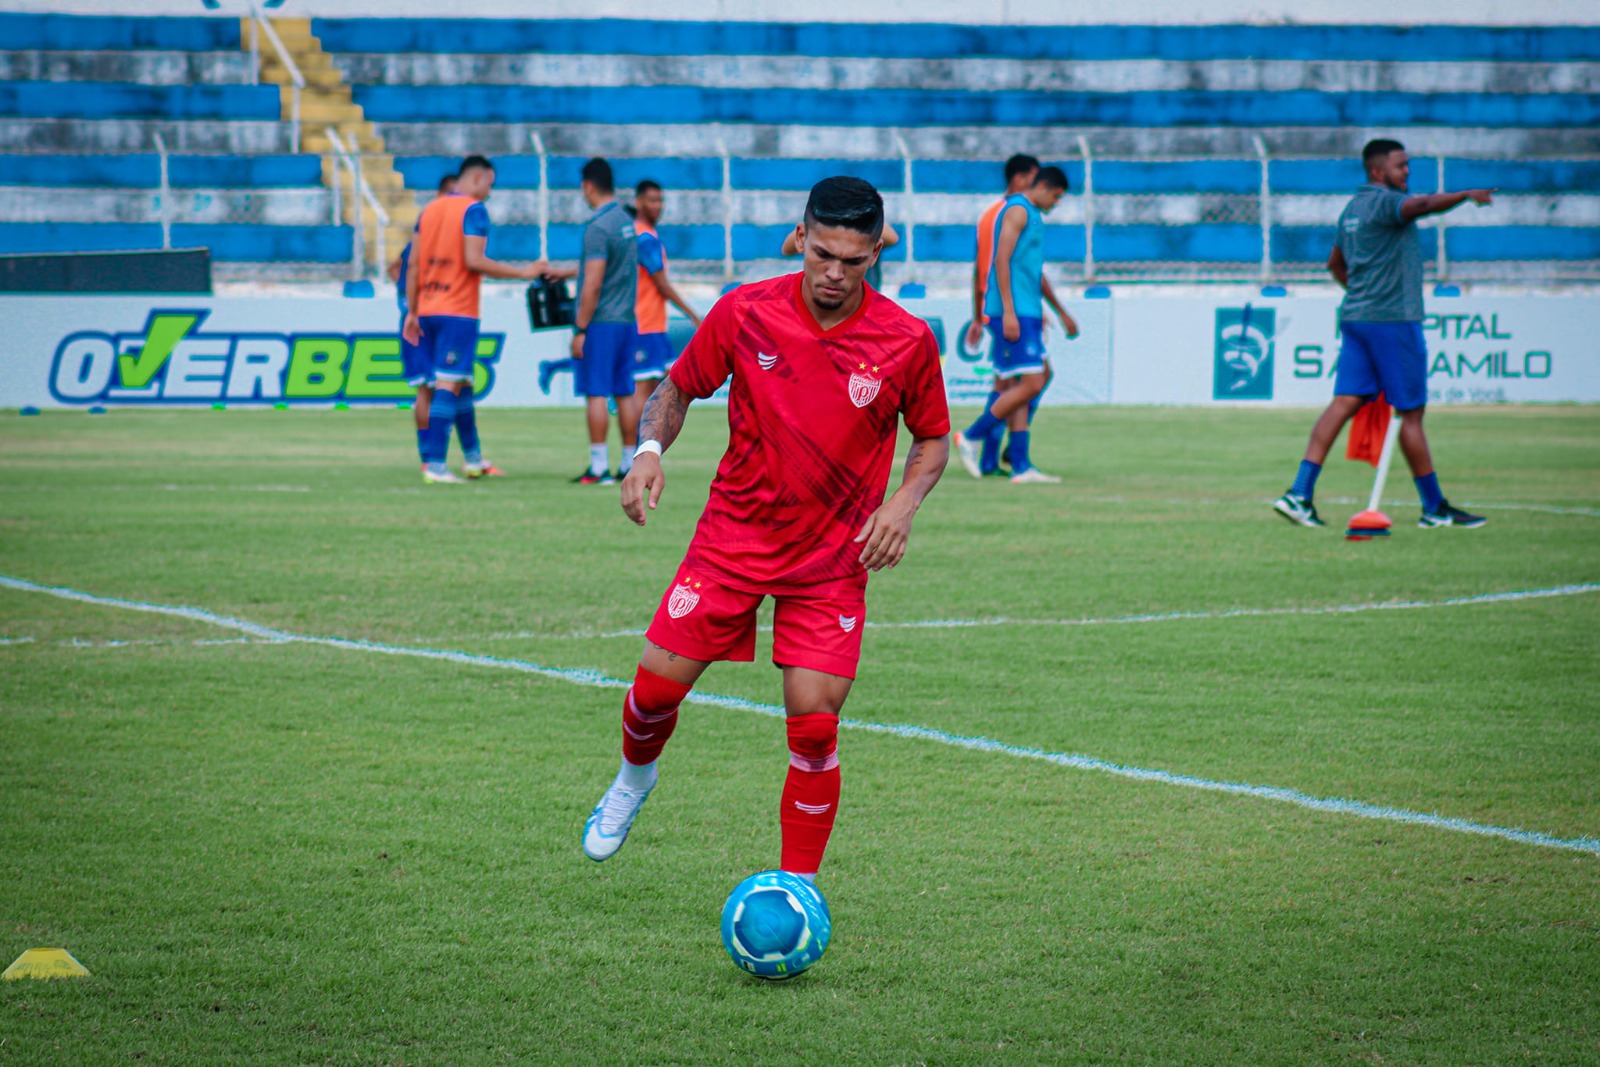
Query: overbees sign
172	360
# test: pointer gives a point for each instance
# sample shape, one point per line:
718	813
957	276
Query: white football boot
611	819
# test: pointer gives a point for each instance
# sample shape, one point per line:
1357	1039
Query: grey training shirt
608	235
1383	252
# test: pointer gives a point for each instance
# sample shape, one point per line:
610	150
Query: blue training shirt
1027	265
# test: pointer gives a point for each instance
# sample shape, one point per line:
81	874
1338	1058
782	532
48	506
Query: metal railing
1268	222
359	191
164	193
259	23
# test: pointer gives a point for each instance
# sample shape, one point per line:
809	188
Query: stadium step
326	102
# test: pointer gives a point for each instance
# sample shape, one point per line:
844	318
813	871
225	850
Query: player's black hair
1054	177
845	202
597	172
474	163
447	181
646	186
1020	163
1378	149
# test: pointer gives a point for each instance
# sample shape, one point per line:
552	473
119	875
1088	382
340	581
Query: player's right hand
974	335
536	270
641	487
1011	327
411	329
1482	197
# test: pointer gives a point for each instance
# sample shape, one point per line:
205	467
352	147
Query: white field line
1360	809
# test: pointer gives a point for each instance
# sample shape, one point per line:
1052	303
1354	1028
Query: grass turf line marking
596	679
1576	589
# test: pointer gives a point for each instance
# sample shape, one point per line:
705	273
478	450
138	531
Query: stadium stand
1191	153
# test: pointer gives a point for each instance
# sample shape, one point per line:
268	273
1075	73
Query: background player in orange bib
652	353
822	369
446	265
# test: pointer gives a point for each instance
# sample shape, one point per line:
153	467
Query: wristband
652	446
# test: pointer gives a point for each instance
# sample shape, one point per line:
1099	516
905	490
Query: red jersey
812	419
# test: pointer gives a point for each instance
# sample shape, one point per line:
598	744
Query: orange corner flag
1367	431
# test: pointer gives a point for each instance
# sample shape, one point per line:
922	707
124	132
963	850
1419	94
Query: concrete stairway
326	102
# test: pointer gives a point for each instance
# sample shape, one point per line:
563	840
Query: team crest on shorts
864	388
683	599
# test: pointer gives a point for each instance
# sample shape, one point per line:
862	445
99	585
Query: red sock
649	714
811	791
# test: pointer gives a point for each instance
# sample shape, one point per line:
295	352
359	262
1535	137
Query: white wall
978	12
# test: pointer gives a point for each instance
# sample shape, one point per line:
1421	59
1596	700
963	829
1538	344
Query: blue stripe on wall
18	237
1313	244
802	174
1343	175
92	33
1518	176
1176	43
1523	242
259	244
522	172
246	243
139	170
94	100
906	107
1196	176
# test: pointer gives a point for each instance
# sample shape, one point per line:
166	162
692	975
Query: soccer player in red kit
822	370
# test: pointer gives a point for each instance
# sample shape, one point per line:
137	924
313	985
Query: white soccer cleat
1034	476
433	477
970	452
611	819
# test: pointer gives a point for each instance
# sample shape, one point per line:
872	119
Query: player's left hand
642	486
577	346
1069	324
886	533
411	330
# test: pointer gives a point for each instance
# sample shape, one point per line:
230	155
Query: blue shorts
451	345
606	368
414	360
1387	356
652	356
1025	355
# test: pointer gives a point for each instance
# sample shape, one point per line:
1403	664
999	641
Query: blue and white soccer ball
775	925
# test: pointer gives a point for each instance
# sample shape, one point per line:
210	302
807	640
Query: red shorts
818	628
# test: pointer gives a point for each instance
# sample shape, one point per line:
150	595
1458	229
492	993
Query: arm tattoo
915	458
663	414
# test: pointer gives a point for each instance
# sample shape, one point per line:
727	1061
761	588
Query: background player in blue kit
1014	301
415	365
652	349
604	330
446	266
1377	257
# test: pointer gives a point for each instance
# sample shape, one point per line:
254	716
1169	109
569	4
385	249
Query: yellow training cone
45	963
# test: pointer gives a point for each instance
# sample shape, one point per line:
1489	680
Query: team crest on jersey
767	362
863	387
683	599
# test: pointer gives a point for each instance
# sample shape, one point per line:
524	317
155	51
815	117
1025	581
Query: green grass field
284	852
